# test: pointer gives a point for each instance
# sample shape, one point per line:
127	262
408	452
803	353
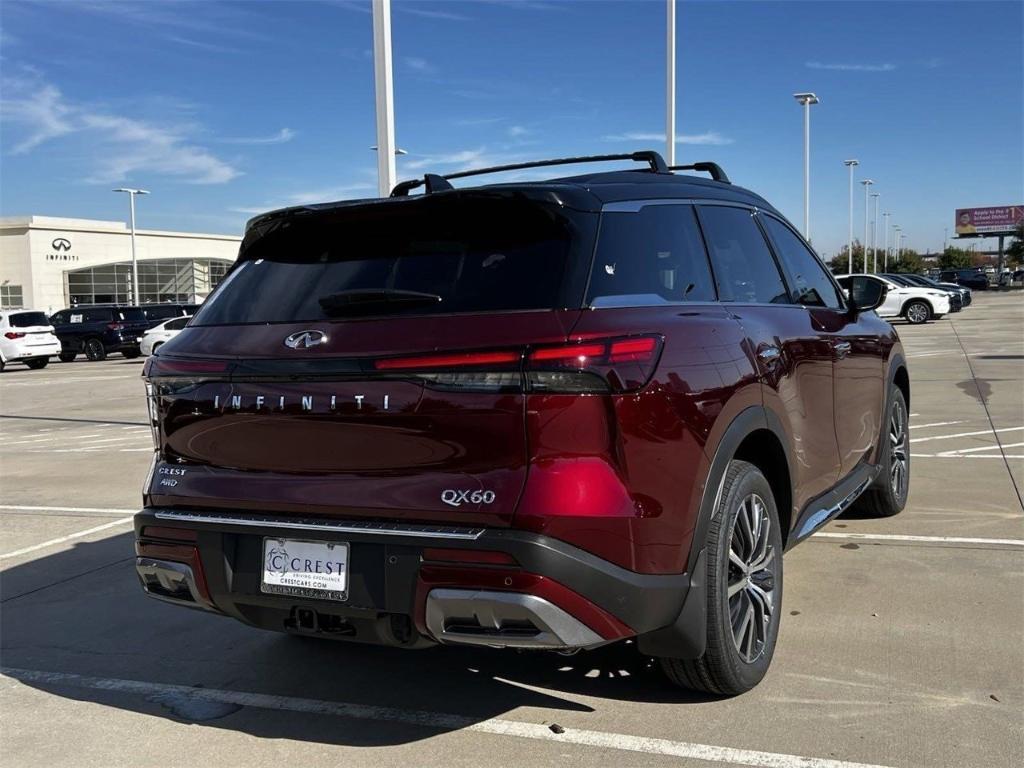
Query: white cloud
427	13
708	138
418	65
851	67
461	160
119	146
518	131
282	136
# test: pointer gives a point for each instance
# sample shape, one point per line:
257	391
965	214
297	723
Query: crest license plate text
317	569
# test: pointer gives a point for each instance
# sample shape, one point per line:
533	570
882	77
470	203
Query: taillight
159	367
593	365
13	335
115	326
590	366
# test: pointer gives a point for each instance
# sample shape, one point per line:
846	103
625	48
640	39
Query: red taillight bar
568	352
13	335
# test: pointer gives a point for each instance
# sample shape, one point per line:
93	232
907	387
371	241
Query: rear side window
94	316
176	325
811	284
744	266
161	311
649	255
28	319
451	254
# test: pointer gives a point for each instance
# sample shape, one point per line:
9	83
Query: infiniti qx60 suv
540	415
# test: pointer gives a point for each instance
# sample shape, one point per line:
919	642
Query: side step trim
334	526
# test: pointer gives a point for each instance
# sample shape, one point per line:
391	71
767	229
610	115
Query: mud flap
687	636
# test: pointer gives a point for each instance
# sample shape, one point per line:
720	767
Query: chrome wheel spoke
752	571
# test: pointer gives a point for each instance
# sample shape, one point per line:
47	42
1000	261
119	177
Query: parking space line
437	720
962	451
935	424
62	539
26	508
921	539
966	434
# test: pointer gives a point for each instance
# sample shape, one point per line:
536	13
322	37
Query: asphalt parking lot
902	642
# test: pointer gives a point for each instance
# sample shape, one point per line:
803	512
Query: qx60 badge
305	339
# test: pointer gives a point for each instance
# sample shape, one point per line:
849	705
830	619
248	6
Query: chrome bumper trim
332	526
552	628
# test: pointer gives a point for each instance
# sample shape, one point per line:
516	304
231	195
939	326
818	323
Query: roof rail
435	183
713	168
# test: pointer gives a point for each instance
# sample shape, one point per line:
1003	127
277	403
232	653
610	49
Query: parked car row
31	337
914	298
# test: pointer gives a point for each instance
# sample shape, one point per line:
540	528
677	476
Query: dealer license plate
317	569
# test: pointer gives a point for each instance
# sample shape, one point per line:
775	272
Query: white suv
158	335
26	336
916	304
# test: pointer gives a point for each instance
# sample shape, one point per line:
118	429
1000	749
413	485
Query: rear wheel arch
765	451
901	379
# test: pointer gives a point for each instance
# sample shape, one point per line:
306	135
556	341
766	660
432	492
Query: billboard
980	221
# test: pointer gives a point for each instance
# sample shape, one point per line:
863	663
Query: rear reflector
478	556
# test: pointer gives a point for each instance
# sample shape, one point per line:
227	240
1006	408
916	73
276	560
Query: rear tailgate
282	397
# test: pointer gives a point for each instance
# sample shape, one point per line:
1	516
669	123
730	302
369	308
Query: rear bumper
409	585
30	351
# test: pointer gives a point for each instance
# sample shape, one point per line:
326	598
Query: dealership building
51	263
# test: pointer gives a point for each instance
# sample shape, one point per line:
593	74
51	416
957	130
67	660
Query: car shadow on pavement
81	612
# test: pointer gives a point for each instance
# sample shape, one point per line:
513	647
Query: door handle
842	349
769	354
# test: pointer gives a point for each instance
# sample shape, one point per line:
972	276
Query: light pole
897	236
849	240
807	99
867	187
874	234
945	238
670	82
135	264
384	95
885	238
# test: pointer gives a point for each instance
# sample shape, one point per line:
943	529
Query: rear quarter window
647	255
28	319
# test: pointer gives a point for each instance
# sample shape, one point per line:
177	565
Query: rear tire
67	357
156	347
131	354
917	312
744	558
94	350
889	496
37	362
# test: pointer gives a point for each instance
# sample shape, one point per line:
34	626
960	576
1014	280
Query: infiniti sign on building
51	263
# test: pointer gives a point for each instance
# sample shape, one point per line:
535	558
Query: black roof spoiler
435	183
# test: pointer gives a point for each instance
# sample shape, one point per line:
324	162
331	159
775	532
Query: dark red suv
545	415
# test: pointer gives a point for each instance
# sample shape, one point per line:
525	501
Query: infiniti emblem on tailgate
305	339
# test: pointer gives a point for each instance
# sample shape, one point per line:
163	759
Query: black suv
98	330
970	278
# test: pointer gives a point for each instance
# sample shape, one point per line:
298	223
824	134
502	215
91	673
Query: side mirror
866	294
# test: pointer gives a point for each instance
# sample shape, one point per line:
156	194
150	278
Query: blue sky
223	110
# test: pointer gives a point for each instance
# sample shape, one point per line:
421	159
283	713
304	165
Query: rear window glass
422	256
131	314
176	325
649	255
161	312
28	319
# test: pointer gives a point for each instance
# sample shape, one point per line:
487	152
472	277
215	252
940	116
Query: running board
833	503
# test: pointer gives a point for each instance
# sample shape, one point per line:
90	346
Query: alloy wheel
899	470
752	576
917	313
